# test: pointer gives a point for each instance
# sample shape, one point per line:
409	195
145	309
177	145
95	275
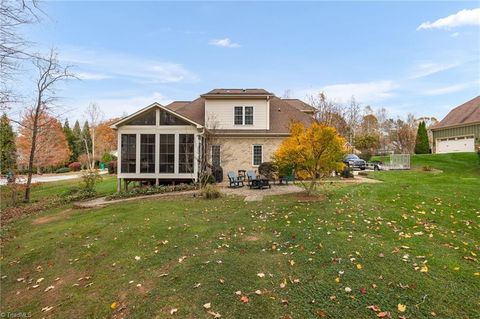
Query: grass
371	238
45	191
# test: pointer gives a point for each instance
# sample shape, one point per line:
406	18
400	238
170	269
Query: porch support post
156	181
119	184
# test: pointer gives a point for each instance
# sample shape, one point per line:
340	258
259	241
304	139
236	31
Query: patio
258	194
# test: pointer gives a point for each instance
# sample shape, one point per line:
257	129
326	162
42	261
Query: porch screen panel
147	153
186	156
167	153
129	153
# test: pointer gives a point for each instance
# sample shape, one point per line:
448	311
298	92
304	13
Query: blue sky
396	55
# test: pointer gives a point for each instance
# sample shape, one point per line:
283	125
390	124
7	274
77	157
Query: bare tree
94	117
50	72
353	118
13	46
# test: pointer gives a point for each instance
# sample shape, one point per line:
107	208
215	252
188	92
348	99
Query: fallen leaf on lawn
49	288
173	311
238	292
333	298
363	290
401	307
359	266
39	280
291	262
374	308
214	314
337	280
46	309
35	286
197	285
113	305
20	279
283	284
424	268
321	313
383	314
348	289
244	299
137	258
261	274
207	305
258	292
181	259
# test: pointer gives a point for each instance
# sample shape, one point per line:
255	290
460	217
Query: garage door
456	144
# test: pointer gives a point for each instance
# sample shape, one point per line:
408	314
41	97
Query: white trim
253	155
116	125
244	115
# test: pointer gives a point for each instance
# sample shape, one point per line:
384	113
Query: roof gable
467	113
149	108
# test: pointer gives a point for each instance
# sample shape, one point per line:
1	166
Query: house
236	129
459	131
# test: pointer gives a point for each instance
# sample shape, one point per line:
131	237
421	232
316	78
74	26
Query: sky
419	57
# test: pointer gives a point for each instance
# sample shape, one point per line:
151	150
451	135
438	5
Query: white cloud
96	64
455	34
461	18
92	76
448	89
226	43
429	68
364	92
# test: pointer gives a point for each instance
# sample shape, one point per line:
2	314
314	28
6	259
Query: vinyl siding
219	114
473	129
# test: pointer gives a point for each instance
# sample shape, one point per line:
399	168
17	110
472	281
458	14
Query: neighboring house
236	129
459	131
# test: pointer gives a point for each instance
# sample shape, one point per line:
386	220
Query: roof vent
244	90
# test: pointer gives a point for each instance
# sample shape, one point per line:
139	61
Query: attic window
149	118
170	119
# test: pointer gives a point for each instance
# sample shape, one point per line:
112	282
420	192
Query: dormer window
243	115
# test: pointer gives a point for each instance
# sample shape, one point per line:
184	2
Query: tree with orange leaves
315	152
106	140
51	148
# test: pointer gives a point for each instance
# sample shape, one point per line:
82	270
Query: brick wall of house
236	152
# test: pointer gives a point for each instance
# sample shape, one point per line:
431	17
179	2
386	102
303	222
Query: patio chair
234	180
251	179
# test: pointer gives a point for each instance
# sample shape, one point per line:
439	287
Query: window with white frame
248	115
243	115
257	155
238	115
216	155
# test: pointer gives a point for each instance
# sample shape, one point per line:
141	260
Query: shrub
427	168
75	166
107	158
62	170
347	172
160	189
112	167
267	169
211	191
207	179
90	178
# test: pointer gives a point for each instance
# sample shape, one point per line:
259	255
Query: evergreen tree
8	150
77	136
72	145
87	137
421	143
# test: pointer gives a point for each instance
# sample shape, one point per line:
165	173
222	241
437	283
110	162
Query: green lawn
45	191
413	240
